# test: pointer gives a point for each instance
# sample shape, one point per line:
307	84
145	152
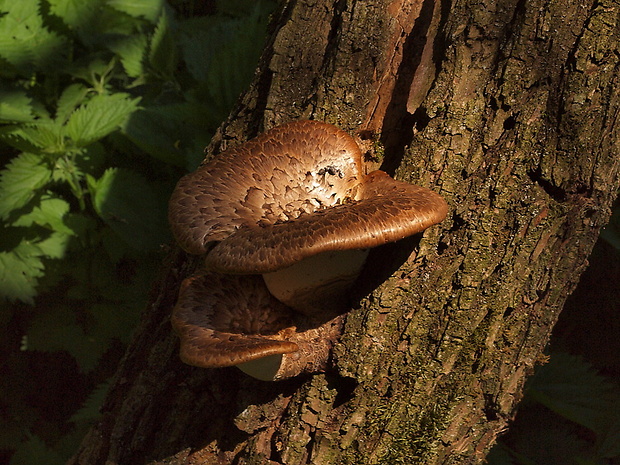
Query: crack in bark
398	123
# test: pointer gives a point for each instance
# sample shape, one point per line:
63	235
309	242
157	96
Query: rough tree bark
508	108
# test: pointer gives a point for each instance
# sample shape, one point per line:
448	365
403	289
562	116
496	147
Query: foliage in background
570	415
611	232
104	104
571	411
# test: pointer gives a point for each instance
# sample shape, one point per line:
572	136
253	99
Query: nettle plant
103	105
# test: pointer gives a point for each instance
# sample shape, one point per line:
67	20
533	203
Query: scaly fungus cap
296	168
293	205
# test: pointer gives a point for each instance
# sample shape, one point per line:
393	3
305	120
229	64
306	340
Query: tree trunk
508	109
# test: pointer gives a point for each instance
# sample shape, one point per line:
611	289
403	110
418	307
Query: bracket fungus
295	206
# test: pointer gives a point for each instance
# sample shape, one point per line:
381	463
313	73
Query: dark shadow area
382	262
399	124
397	131
589	325
585	341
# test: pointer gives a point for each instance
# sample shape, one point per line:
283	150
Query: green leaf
76	14
89	411
35	452
92	67
196	41
57	330
131	51
24	41
611	232
128	204
55	245
148	9
102	115
569	386
48	213
91	158
66	170
20	269
232	47
238	59
163	49
43	136
169	132
72	96
20	180
15	106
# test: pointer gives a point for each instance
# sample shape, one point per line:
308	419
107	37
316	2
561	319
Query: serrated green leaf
12	135
222	54
89	411
20	180
91	158
48	213
72	96
571	387
128	204
196	40
148	9
15	107
131	51
168	132
76	14
91	67
237	61
163	49
66	170
55	245
24	41
43	136
57	330
34	451
102	115
20	269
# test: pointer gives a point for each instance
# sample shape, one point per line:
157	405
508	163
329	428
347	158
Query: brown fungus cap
384	210
290	170
226	320
295	192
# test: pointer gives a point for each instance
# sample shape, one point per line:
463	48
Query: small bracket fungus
294	206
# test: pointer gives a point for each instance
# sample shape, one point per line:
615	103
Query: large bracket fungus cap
225	320
293	205
289	170
383	210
